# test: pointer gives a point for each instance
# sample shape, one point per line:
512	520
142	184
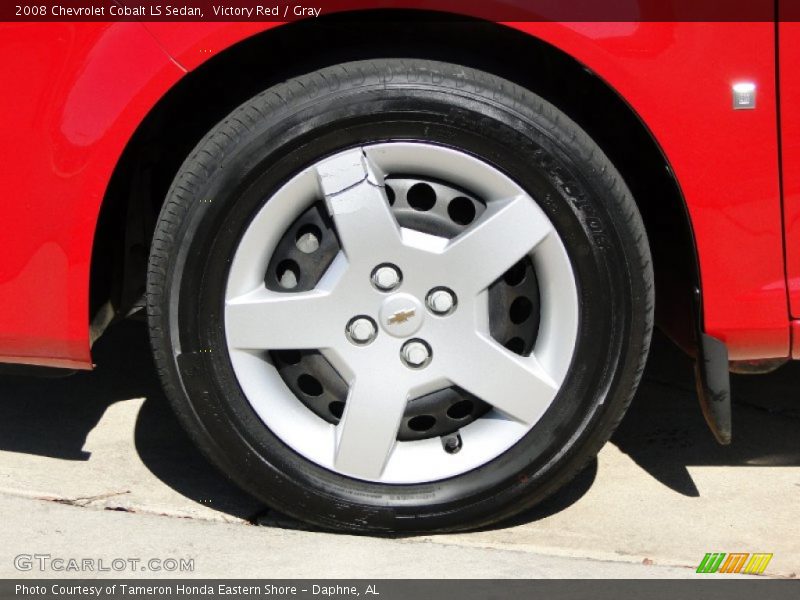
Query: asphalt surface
95	466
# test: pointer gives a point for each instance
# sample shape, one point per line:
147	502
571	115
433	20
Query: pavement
95	466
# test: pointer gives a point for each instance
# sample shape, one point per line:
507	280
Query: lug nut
361	330
416	354
441	301
386	277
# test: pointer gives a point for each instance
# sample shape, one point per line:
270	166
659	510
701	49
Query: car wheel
399	295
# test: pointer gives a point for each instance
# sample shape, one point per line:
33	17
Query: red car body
75	95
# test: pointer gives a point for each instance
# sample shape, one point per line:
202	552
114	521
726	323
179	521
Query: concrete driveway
77	452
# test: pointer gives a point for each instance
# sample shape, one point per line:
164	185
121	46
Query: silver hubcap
400	313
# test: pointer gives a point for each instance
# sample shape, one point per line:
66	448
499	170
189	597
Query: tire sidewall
538	150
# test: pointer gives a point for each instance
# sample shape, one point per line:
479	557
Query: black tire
291	125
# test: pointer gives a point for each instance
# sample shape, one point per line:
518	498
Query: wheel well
175	125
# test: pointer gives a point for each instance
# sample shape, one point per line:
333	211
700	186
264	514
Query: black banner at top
494	10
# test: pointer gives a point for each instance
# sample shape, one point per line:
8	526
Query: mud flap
712	377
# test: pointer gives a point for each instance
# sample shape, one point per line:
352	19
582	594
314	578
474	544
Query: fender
85	93
79	93
677	76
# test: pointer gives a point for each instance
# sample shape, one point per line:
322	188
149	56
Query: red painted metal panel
73	95
789	43
678	78
80	92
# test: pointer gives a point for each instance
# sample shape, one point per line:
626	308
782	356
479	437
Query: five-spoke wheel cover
505	264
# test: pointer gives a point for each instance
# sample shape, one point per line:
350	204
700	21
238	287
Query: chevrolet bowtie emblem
401	316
